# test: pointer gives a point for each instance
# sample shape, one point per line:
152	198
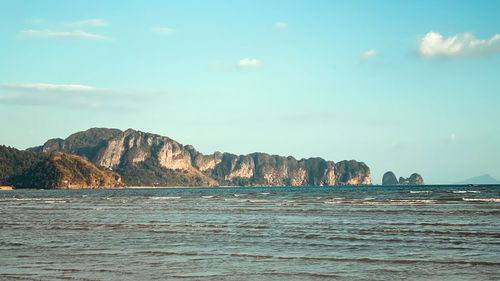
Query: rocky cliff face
390	179
87	143
149	159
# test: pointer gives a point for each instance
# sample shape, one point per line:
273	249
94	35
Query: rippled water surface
314	233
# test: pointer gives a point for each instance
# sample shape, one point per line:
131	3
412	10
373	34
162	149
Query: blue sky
403	86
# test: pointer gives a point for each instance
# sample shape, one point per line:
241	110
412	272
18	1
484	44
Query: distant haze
484	179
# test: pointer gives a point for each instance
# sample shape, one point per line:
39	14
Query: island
102	157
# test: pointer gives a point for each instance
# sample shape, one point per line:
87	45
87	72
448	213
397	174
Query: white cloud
73	35
281	25
48	87
453	137
368	54
249	63
461	46
162	30
90	23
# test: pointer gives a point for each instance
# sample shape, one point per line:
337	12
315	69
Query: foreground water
314	233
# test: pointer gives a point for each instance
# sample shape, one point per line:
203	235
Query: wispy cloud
71	35
74	24
281	25
248	63
367	55
48	87
67	95
464	45
162	30
88	23
216	65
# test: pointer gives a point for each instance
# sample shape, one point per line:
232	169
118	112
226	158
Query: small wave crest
411	201
165	197
496	200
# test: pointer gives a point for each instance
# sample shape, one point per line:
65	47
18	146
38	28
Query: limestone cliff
149	159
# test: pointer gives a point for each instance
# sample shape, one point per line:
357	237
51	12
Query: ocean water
299	233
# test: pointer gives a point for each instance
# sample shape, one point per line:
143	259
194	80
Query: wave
255	201
38	199
161	253
466	191
303	274
55	201
370	260
496	200
412	201
371	201
252	256
447	233
165	197
420	191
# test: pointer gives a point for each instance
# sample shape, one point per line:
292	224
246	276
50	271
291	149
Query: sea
252	233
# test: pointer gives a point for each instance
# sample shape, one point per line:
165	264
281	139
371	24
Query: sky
405	86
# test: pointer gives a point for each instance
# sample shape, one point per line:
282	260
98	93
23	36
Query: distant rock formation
56	170
414	179
149	159
390	179
484	179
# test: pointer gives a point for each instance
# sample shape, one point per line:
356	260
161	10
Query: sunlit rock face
148	159
352	173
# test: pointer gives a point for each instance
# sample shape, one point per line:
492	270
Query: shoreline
11	188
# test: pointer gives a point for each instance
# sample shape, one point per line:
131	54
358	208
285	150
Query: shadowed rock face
389	179
149	159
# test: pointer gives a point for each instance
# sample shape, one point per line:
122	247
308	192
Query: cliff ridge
150	159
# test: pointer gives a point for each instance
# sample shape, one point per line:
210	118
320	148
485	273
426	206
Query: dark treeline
15	165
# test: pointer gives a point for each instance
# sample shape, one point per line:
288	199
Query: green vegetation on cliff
150	173
27	169
14	163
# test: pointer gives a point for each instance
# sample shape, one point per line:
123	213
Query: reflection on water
315	233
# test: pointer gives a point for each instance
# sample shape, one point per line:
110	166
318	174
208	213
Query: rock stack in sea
389	178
